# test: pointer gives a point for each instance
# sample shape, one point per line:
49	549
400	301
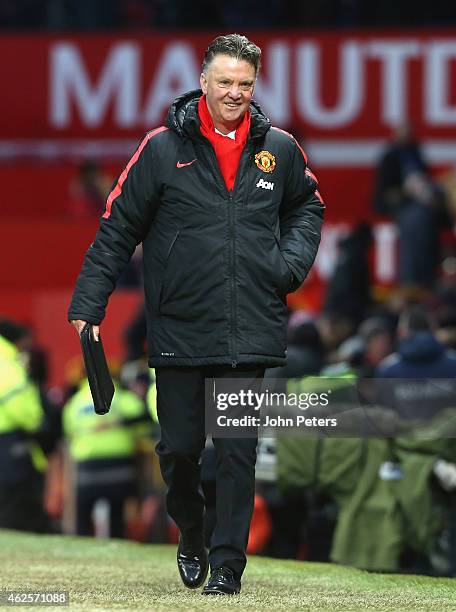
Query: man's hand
79	326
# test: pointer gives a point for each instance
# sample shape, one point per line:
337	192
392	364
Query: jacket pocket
162	293
193	287
282	272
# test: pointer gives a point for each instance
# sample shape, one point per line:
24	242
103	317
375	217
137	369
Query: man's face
228	85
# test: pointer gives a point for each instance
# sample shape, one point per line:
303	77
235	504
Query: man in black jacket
230	220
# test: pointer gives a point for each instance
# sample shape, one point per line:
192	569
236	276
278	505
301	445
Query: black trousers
111	479
180	407
87	497
21	505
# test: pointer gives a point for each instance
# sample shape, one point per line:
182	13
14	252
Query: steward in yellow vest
22	461
103	448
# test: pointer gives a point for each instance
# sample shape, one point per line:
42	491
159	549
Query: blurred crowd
58	15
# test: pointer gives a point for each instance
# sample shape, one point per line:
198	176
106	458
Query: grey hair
233	45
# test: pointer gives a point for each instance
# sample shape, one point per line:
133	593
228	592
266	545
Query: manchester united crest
265	161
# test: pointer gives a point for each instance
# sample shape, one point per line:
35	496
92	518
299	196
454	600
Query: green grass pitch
111	574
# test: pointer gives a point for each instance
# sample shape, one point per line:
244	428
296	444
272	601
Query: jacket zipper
233	280
232	212
232	256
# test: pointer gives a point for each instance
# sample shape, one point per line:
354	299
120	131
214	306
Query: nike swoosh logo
179	165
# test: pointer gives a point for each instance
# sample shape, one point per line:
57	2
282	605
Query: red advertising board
342	93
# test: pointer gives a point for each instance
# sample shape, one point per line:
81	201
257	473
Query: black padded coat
217	264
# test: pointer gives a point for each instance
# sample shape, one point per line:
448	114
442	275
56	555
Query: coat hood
421	346
183	116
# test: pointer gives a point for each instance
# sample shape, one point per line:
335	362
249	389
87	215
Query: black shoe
193	565
222	582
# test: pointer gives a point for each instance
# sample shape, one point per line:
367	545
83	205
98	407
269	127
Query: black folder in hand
100	382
